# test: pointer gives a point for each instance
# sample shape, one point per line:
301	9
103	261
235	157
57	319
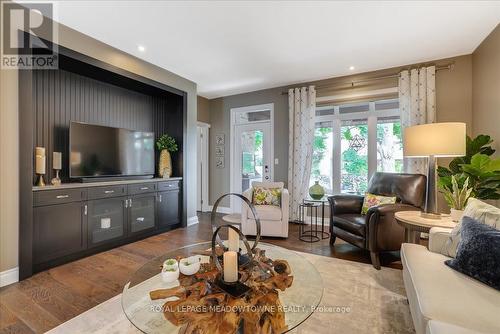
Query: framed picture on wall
219	151
219	162
219	139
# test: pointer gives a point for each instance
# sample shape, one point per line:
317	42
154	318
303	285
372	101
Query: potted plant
165	145
456	197
482	171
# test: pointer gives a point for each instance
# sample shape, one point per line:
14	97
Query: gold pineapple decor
165	145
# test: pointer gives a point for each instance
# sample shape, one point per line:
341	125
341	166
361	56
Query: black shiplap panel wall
60	97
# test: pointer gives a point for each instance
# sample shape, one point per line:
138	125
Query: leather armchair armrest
340	204
384	233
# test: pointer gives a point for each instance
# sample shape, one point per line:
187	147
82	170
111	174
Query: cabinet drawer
168	185
107	192
141	188
49	197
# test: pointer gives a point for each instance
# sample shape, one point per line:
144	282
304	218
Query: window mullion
372	141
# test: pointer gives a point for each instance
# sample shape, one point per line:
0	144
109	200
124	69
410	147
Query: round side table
414	224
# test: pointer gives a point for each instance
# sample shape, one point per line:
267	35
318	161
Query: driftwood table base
201	307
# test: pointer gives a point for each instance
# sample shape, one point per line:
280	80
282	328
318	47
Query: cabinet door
141	213
168	208
107	218
59	230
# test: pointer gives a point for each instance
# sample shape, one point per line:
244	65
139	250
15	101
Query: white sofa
443	300
273	219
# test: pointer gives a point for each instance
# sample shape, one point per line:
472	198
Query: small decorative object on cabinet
165	145
40	165
57	166
457	196
316	191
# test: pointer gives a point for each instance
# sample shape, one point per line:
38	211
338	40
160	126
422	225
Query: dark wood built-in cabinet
59	224
71	223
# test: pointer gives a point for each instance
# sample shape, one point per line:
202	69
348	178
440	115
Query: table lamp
433	140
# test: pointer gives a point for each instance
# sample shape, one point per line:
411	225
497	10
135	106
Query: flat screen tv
103	151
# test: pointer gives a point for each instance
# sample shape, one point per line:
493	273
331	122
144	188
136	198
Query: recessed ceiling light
141	48
351	68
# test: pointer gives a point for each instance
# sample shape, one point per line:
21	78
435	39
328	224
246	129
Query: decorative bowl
170	264
190	265
170	275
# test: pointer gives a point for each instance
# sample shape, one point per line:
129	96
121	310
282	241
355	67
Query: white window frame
336	119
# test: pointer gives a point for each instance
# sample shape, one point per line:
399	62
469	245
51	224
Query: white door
252	158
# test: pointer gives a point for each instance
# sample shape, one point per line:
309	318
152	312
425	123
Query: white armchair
273	219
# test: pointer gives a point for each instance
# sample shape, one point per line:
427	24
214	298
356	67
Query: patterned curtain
301	112
417	102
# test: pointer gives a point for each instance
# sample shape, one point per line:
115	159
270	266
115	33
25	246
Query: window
352	141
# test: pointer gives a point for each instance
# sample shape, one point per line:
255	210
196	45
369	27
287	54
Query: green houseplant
165	144
456	197
477	166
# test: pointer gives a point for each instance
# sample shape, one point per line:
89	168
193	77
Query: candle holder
235	289
40	182
56	181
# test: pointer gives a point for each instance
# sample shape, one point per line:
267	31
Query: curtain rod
389	76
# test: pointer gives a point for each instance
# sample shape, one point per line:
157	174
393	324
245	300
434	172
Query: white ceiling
231	47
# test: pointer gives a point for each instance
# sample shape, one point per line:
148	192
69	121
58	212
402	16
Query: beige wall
486	88
203	109
9	165
454	102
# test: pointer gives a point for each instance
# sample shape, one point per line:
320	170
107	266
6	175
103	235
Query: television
102	151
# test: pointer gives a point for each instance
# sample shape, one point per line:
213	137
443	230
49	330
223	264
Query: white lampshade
434	139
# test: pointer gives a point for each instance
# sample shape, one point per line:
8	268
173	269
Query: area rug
357	299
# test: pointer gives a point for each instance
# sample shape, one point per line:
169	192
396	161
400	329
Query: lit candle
56	160
234	240
40	164
230	266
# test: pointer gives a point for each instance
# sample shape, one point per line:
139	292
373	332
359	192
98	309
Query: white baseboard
192	221
9	276
221	209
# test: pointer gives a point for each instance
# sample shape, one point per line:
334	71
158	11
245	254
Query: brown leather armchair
377	231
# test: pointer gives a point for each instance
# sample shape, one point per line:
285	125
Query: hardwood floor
52	297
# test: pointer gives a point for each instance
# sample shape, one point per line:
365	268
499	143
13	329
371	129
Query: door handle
130	202
140	219
109	191
85	210
62	196
159	198
126	203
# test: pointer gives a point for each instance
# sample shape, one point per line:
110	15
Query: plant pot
316	191
165	164
456	215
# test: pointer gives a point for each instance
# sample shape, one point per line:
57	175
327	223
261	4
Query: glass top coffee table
298	301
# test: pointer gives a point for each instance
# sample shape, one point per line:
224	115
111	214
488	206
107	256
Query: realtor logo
29	37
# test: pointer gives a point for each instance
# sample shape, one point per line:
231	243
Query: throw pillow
266	196
478	210
478	254
373	200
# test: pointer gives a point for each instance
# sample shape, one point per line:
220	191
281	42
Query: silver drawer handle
170	185
160	198
109	191
144	188
62	196
140	219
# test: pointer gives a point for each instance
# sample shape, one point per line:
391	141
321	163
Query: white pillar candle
56	160
40	151
40	164
230	266
234	240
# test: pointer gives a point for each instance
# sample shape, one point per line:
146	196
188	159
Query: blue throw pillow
478	254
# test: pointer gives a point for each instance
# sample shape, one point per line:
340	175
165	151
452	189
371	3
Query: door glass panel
142	212
389	145
322	156
252	157
105	219
354	156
